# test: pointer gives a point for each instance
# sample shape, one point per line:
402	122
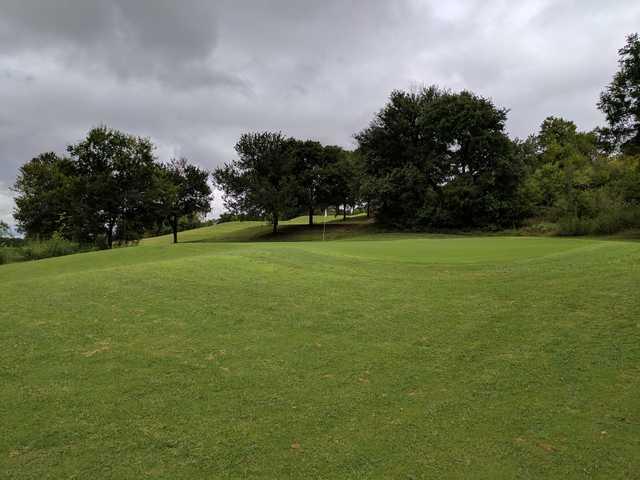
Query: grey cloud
169	41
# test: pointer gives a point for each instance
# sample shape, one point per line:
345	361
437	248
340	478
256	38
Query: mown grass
406	357
295	229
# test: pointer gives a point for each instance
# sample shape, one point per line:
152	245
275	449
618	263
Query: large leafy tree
182	190
116	171
310	172
437	158
563	168
620	101
46	188
342	177
262	180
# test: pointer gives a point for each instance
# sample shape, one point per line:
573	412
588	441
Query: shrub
56	246
9	255
540	228
604	222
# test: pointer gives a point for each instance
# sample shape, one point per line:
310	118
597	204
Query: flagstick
324	224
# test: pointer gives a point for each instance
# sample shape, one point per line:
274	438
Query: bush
9	255
56	246
540	228
604	222
101	242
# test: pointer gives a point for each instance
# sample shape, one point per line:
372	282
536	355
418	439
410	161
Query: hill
386	357
295	229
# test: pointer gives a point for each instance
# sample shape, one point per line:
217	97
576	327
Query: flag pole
324	224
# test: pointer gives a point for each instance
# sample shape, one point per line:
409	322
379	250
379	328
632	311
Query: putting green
390	356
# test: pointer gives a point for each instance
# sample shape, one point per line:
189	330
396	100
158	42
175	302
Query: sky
194	74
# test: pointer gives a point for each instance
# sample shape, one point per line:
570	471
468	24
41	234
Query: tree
398	157
342	178
571	182
4	229
310	172
262	181
620	101
182	190
437	158
116	171
45	196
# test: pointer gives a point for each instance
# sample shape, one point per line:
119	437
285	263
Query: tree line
110	188
430	159
433	158
276	177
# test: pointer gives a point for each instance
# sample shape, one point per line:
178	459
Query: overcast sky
193	75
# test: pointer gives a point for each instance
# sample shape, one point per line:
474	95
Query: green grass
295	229
384	356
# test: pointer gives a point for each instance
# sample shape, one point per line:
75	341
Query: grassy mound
393	357
289	230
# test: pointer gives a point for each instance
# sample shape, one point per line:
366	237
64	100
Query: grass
384	356
295	229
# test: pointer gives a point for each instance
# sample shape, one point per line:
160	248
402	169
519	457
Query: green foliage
277	177
310	170
56	246
46	187
9	254
181	191
441	159
116	171
537	227
37	249
608	218
584	191
110	189
620	102
262	181
342	177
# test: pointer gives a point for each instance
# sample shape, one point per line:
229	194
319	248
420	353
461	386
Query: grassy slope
295	229
402	358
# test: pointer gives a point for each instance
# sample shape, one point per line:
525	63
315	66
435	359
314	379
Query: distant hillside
295	229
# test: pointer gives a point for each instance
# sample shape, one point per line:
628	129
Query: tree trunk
174	227
310	216
123	237
275	222
109	236
368	209
344	212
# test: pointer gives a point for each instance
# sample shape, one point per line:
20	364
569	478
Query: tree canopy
110	187
181	190
620	101
440	159
116	169
45	188
261	181
275	177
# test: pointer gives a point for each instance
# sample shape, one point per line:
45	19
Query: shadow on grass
362	228
334	230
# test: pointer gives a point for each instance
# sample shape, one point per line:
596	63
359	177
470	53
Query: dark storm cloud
193	75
